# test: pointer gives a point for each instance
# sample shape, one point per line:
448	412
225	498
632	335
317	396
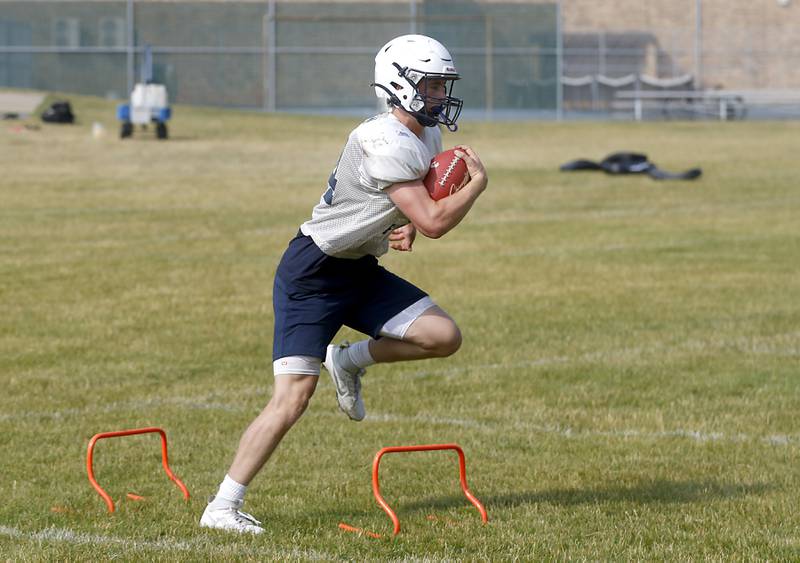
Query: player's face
435	92
435	89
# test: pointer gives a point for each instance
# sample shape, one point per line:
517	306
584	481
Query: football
447	174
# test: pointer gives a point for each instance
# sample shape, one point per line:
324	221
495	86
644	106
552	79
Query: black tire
126	130
161	130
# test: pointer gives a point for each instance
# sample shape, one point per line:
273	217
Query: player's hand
403	237
477	172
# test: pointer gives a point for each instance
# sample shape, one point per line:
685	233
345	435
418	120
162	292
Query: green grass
627	388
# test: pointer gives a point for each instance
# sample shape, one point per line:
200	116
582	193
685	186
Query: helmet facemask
428	110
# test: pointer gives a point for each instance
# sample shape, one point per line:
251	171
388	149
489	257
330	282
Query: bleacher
640	97
724	105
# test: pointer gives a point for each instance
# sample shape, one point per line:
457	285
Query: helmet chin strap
425	119
435	112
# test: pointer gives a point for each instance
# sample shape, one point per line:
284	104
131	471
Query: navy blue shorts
314	295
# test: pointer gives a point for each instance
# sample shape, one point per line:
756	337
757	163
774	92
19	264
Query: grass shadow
658	491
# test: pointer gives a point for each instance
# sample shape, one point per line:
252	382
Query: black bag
59	112
629	163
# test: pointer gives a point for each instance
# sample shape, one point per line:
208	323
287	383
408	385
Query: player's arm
435	218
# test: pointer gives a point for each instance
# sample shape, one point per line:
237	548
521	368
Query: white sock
358	354
230	493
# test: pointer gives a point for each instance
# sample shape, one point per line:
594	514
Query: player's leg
376	295
289	401
291	394
422	330
405	324
304	324
432	334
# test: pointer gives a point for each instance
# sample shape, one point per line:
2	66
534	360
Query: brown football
447	174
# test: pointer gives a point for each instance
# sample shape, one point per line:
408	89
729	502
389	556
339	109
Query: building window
67	32
111	32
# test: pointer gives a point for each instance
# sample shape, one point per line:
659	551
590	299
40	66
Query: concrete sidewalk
20	103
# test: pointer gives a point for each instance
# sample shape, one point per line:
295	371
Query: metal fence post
698	44
270	64
489	65
559	63
601	53
130	48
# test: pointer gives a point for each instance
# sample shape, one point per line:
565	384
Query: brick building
745	44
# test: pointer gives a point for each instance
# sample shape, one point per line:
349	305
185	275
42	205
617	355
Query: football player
329	275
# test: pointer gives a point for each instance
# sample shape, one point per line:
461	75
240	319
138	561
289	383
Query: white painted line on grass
450	372
786	344
499	426
61	535
776	345
192	403
783	345
64	535
567	432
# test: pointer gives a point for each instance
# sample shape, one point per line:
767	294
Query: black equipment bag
59	112
629	163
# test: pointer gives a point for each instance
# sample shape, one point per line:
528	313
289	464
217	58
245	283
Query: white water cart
149	104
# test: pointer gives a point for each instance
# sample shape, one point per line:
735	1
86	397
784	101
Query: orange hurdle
376	489
164	461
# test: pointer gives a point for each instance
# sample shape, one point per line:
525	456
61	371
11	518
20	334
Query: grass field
627	389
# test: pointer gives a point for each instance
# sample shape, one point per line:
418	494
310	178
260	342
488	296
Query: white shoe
230	518
348	384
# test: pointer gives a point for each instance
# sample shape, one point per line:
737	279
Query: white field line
777	345
190	403
787	344
482	426
63	535
567	432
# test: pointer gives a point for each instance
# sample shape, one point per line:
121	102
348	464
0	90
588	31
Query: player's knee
292	406
292	402
453	342
445	342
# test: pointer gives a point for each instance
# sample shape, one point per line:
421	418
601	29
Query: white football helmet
402	64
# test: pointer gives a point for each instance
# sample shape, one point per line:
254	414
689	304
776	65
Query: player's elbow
433	231
434	226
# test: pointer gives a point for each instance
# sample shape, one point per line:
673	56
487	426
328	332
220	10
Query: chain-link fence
274	55
536	58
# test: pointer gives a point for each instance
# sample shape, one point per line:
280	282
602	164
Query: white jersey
355	216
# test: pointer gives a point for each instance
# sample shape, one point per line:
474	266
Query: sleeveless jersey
355	216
